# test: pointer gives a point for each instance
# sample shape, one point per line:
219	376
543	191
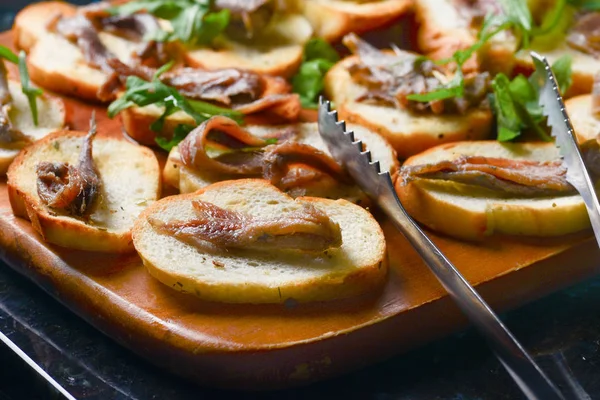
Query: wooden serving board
276	346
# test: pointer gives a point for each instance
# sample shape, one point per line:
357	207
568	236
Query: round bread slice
51	116
585	124
277	52
409	133
467	212
332	19
189	180
442	29
499	56
130	179
137	120
244	276
57	64
31	23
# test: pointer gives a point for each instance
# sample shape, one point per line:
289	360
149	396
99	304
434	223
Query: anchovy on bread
332	249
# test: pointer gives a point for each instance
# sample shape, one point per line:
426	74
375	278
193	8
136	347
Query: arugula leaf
318	58
563	72
515	103
8	55
587	5
181	131
29	91
139	92
193	21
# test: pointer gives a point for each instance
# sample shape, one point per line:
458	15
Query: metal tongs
378	185
554	108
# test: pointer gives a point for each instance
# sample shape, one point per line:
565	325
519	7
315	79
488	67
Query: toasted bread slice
585	124
137	120
409	133
57	64
31	23
277	52
584	66
471	213
130	181
189	180
442	28
244	276
332	19
51	116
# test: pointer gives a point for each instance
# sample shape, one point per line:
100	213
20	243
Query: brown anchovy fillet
308	229
219	129
246	16
475	11
243	91
80	30
226	86
515	177
10	137
391	78
137	27
585	34
279	158
73	188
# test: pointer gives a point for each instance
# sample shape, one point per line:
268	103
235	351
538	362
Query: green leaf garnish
563	73
193	22
31	92
515	103
8	55
318	58
141	93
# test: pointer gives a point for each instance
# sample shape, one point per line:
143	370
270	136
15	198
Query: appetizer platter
166	180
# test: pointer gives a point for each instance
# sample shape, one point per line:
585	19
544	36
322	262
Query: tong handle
522	368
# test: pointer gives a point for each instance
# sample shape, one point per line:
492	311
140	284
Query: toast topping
246	16
226	86
585	34
475	11
68	187
244	91
138	27
243	154
515	177
10	137
307	229
391	78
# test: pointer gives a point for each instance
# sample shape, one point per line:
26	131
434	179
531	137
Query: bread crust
53	105
31	22
585	124
320	288
279	59
466	213
66	231
442	30
407	132
333	19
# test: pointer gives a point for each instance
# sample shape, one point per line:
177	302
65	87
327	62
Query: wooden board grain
268	347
